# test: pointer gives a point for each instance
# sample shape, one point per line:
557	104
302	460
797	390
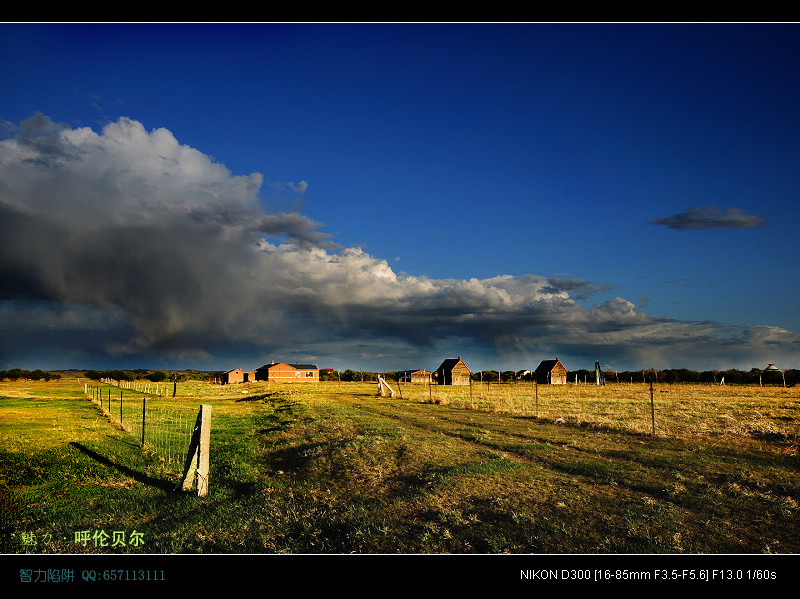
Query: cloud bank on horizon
128	247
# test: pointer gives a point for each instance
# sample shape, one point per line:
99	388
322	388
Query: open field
676	410
331	468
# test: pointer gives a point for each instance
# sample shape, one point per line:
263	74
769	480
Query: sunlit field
674	410
336	468
769	412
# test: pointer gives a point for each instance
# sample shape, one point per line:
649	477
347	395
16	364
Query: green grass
331	468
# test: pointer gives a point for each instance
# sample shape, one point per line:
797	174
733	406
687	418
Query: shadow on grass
265	396
164	485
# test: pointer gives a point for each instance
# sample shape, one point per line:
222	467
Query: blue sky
384	196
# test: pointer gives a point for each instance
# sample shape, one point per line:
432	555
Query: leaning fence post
196	465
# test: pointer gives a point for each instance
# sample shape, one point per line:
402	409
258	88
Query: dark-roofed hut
551	372
453	371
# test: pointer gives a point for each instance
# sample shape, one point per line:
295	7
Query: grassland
330	469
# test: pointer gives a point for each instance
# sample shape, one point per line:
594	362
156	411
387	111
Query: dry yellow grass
769	413
764	412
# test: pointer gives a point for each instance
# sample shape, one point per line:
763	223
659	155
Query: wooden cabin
551	372
453	371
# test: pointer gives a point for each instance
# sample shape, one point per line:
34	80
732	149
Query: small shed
551	372
421	376
233	376
453	371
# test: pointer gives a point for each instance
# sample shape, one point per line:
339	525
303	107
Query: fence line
165	432
668	409
140	386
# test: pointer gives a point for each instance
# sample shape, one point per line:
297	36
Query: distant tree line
754	376
15	374
350	376
126	375
154	376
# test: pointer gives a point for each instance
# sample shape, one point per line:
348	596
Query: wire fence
163	431
768	413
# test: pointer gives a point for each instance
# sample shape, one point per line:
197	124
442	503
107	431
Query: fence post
652	409
196	465
120	407
144	416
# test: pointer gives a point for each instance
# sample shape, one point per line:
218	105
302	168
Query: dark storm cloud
709	217
296	228
127	243
131	220
578	288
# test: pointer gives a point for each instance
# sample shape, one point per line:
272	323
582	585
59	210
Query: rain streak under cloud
126	246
